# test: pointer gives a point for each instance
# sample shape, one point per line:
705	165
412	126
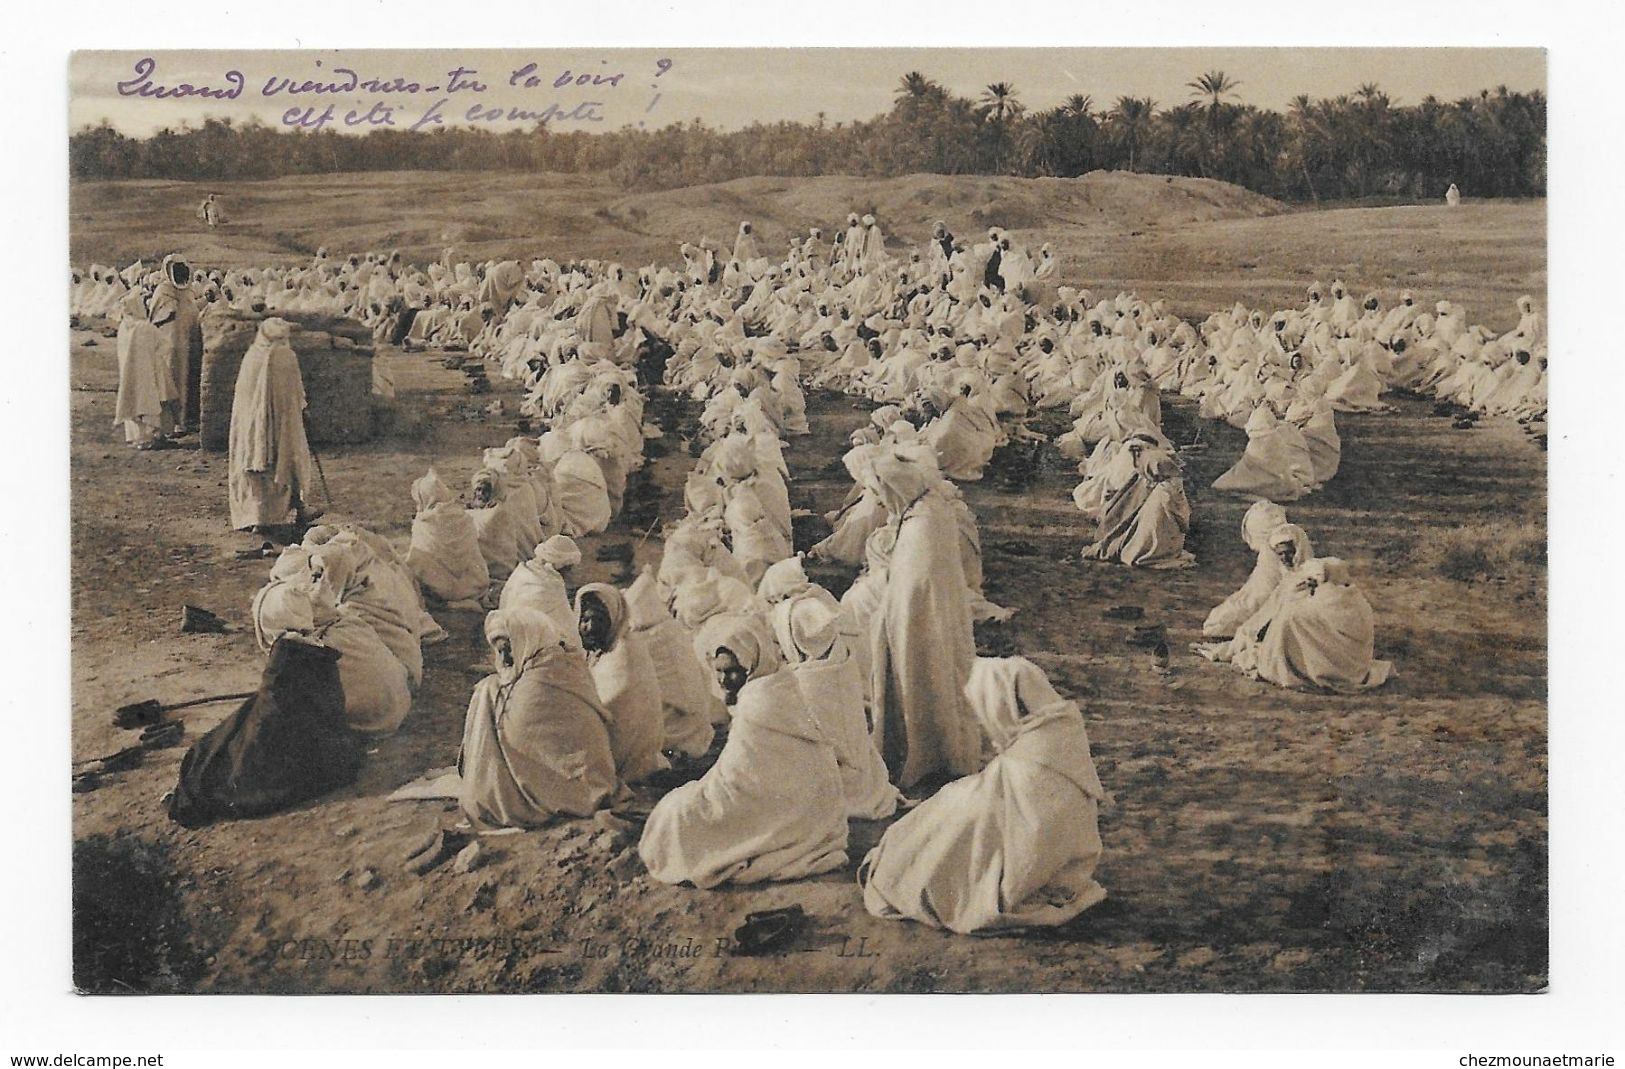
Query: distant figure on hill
745	245
1452	196
209	211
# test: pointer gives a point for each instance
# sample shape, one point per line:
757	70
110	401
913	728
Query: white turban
560	551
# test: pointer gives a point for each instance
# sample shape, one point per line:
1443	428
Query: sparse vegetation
1478	552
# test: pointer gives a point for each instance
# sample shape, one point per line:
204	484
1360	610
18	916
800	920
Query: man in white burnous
271	464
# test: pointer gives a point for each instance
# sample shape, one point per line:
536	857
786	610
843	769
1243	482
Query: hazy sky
732	88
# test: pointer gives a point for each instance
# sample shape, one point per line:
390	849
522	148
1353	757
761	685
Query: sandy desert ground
1263	840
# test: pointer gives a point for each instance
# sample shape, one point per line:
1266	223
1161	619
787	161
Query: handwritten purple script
392	100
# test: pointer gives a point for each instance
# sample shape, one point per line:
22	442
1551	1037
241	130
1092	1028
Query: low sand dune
502	215
1201	244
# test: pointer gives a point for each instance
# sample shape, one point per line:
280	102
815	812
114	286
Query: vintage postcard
809	520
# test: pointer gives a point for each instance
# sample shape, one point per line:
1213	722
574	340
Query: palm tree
999	104
1370	124
1130	121
918	99
1179	140
1079	106
1213	86
1075	135
1041	143
915	87
1307	131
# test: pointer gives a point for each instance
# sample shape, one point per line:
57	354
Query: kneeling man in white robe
1014	845
771	808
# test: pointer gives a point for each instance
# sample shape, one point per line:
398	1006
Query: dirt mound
566	216
782	208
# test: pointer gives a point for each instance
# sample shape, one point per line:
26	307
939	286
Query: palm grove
1356	145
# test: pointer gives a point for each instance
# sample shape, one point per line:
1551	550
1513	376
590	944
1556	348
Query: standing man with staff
272	467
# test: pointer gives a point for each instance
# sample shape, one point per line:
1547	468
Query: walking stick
150	711
326	495
648	532
321	473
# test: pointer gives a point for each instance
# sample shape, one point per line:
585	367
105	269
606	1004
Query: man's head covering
697	600
493	479
275	329
769	348
1260	521
901	478
173	265
431	490
1012	696
612	601
283	607
1303	408
292	565
560	551
938	397
1161	466
1291	533
529	633
593	436
884	416
756	650
1262	420
1279	393
1137	374
735	460
806	628
527	448
903	433
783	579
859	462
320	535
336	567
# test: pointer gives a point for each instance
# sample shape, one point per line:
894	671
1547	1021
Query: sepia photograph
663	530
825	520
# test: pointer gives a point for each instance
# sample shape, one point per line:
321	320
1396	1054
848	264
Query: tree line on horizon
1351	146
